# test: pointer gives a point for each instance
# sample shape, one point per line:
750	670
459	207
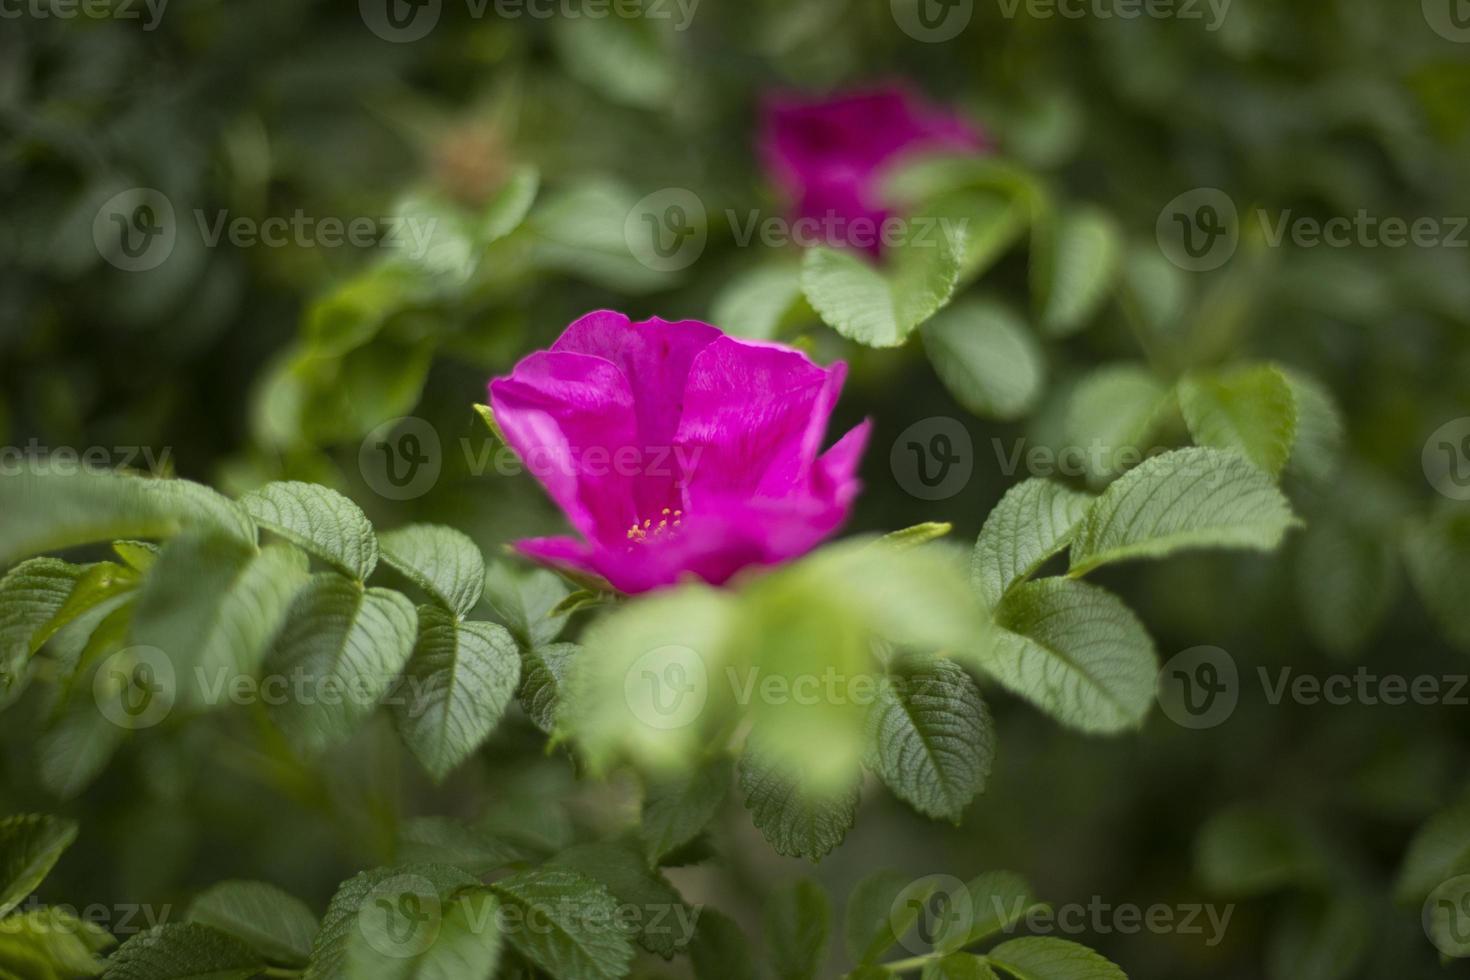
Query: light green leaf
67	944
543	676
1191	498
622	58
678	808
880	306
525	600
364	901
1076	652
98	584
1320	429
30	846
933	738
183	951
918	534
320	520
455	689
274	923
798	919
868	920
31	594
213	606
443	562
993	222
1033	521
568	924
1047	958
1075	268
1250	409
999	901
795	819
1112	415
461	940
345	645
1437	551
48	512
986	358
663	924
759	302
511	205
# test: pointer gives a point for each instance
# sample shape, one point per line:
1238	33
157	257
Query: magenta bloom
676	451
829	154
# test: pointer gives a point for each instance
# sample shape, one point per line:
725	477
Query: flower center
667	526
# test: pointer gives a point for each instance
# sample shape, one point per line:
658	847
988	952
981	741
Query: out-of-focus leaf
986	358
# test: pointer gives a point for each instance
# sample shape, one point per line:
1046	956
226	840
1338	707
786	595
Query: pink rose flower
829	155
676	451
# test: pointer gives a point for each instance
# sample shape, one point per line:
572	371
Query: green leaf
75	750
676	809
1320	430
986	358
213	606
543	677
441	840
958	966
525	600
443	562
460	940
455	689
759	302
31	594
999	901
183	951
879	306
1249	851
795	819
1250	409
1439	851
1112	415
1046	958
918	534
30	846
1325	937
1076	652
272	922
720	951
1033	521
345	645
1437	551
1347	579
933	738
1191	498
798	919
993	222
49	511
569	924
664	924
322	521
625	59
64	943
868	921
1075	268
366	899
511	205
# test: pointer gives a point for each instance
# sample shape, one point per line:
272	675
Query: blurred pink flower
829	154
676	451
